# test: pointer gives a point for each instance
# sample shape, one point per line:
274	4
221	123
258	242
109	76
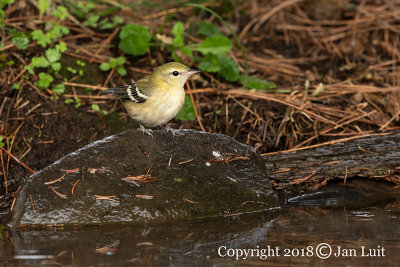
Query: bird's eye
175	73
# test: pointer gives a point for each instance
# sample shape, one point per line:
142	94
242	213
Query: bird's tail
111	90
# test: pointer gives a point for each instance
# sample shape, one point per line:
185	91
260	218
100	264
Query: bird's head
173	74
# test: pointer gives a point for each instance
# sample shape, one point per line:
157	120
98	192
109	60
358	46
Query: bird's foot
144	130
167	128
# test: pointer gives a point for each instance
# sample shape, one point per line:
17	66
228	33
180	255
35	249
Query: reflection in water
348	232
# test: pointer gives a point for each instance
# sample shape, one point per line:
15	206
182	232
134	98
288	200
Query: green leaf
16	86
21	40
95	107
53	55
39	62
228	68
59	89
216	44
44	80
210	63
121	71
71	69
29	69
208	29
92	21
178	30
121	61
187	112
117	20
135	39
105	66
41	38
80	63
61	46
56	66
57	32
43	6
112	62
61	13
253	82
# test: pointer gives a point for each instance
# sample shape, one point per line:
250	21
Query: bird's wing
128	93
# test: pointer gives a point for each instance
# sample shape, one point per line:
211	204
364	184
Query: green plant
1	141
77	101
187	112
4	62
117	64
3	4
96	107
51	61
55	30
214	54
21	40
135	39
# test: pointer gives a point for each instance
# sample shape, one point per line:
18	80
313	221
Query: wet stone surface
138	179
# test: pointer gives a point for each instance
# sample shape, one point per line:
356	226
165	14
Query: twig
195	107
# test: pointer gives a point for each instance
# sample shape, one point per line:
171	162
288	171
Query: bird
155	99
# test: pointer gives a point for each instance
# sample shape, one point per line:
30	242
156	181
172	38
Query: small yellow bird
155	99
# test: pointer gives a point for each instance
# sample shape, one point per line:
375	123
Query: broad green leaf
53	55
105	66
41	38
62	47
3	3
187	112
112	62
43	6
92	21
178	30
29	69
57	32
121	71
95	107
210	63
59	89
175	56
39	62
228	68
44	80
186	51
253	82
216	44
121	61
135	39
21	40
61	13
207	29
56	66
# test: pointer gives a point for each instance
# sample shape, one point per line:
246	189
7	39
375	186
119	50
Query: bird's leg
167	128
144	130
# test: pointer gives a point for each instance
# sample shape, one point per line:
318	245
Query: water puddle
311	229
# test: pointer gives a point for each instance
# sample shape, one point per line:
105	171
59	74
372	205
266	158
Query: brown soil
352	47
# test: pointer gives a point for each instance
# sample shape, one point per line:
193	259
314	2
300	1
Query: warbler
155	99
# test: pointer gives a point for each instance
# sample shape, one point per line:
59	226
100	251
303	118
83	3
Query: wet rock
138	179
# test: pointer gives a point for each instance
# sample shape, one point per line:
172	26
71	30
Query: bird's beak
192	71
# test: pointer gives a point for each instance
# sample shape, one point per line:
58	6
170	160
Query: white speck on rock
216	154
